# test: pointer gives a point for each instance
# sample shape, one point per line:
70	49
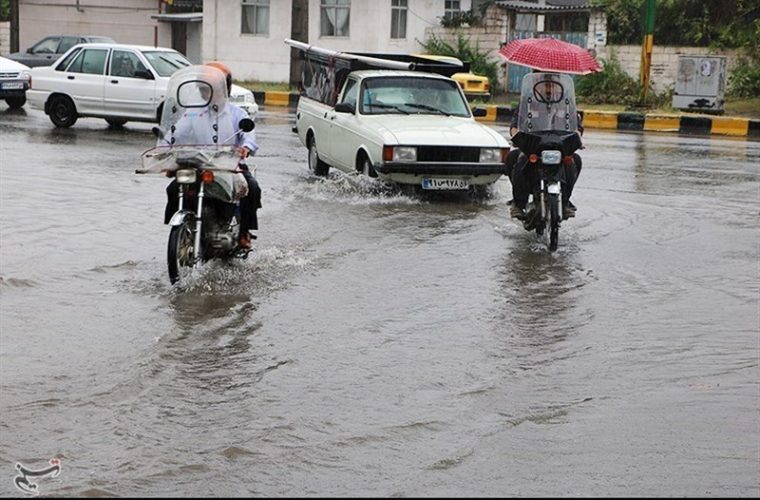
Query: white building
249	35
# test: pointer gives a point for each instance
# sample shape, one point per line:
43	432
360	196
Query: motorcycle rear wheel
180	253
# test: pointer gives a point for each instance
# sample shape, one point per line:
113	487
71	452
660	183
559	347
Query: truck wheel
367	167
63	114
317	166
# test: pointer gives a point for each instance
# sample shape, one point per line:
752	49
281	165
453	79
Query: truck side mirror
345	107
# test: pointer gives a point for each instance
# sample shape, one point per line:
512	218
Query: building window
398	18
335	17
452	8
255	17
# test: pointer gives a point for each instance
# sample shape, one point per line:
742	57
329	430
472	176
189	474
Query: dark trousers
248	205
522	177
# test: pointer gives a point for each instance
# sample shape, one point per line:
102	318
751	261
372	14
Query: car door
343	140
130	86
84	80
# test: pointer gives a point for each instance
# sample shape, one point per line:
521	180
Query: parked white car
117	82
407	127
14	82
244	98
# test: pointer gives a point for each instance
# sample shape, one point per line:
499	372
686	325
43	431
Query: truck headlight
490	155
551	157
404	154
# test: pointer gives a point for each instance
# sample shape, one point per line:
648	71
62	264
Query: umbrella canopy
550	54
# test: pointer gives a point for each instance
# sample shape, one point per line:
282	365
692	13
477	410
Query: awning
184	17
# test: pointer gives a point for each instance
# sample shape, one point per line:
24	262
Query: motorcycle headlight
404	153
490	155
186	176
551	157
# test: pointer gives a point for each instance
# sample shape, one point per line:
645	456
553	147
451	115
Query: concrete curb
648	122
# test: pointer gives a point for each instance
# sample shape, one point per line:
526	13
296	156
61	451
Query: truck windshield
412	95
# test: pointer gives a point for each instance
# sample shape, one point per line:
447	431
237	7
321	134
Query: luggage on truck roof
324	71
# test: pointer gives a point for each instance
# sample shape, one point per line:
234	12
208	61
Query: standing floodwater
377	343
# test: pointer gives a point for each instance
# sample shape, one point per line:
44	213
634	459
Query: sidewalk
650	122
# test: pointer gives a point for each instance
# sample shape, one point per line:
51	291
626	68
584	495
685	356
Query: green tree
698	23
5	10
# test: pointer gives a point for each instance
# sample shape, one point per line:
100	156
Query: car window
100	39
47	46
125	64
66	43
67	60
166	63
349	95
90	61
412	95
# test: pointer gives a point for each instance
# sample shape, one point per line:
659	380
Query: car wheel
115	122
317	166
16	102
63	114
367	168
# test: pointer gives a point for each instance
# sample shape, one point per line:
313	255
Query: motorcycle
208	173
547	137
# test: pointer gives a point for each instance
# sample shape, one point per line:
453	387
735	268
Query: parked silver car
49	49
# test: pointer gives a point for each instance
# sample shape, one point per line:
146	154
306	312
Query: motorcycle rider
520	175
245	143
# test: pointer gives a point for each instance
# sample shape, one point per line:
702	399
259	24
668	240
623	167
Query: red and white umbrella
550	54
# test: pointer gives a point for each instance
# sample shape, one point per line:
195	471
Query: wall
126	21
5	38
664	61
267	58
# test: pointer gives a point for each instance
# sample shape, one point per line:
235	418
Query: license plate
441	184
12	85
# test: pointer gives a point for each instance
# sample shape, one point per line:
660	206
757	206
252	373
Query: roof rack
324	71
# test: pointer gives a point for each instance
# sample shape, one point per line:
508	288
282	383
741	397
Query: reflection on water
376	342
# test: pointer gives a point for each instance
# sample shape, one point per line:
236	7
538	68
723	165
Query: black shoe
568	210
516	212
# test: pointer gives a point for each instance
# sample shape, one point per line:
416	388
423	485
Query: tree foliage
5	10
697	23
464	51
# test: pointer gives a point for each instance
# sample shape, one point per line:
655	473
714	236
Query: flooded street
378	343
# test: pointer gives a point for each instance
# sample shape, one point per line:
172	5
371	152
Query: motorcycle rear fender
180	217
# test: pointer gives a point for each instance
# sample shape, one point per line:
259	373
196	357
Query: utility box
700	84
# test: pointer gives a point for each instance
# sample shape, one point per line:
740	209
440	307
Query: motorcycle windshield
196	96
163	159
547	104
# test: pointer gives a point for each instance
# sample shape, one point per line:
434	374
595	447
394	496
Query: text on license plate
12	85
444	184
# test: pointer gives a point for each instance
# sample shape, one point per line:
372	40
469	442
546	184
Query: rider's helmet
224	69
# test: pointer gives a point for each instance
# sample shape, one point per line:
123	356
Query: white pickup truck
407	127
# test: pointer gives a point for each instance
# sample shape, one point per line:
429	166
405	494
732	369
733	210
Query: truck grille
459	154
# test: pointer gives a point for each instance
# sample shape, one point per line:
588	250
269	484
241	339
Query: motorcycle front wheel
180	255
555	215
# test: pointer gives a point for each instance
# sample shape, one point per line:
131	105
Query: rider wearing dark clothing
521	177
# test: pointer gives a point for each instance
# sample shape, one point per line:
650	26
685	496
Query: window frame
336	6
400	13
256	5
